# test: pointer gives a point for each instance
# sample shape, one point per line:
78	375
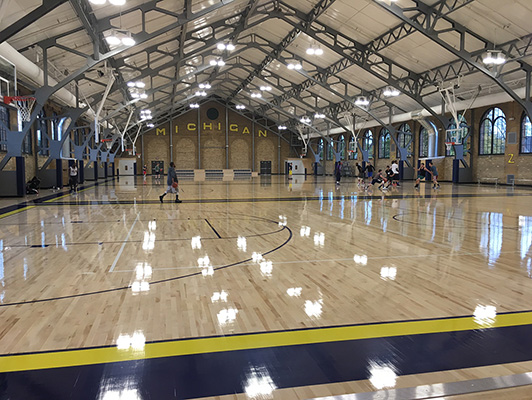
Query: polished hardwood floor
262	255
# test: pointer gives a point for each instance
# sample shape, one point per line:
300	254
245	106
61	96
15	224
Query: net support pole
123	133
135	141
100	108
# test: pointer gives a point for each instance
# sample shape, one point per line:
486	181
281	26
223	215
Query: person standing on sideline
434	172
338	172
173	184
395	170
420	174
73	182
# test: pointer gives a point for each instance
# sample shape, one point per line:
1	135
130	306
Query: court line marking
335	260
124	244
212	227
16	211
182	347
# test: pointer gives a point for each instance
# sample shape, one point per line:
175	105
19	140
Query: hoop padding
24	105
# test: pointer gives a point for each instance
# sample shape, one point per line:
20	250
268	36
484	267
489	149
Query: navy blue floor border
216	374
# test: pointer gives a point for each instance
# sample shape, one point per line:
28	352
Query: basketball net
24	105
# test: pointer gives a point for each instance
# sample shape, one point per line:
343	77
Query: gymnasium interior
265	199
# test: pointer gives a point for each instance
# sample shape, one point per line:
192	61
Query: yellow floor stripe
253	341
16	211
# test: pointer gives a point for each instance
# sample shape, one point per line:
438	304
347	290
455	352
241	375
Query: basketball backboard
8	78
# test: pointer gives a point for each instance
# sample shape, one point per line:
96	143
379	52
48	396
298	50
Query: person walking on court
370	168
338	172
360	174
434	172
157	170
73	182
173	184
420	174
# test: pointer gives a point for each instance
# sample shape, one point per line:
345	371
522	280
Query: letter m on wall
163	131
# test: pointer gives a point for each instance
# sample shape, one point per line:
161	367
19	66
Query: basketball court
267	287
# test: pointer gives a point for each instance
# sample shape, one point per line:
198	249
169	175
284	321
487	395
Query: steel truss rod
440	36
30	18
308	19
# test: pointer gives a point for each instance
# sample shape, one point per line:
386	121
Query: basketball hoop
108	143
23	104
449	145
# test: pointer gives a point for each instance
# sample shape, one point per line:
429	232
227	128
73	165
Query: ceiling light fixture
362	101
150	125
201	93
282	127
194	105
118	36
256	95
305	120
295	65
240	107
390	91
266	88
117	2
494	57
314	51
204	86
223	46
319	116
97	2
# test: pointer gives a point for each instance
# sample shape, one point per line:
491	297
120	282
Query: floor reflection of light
204	261
525	229
195	242
361	259
485	315
305	231
313	308
143	271
135	342
282	220
140	286
209	271
294	291
388	273
152	225
149	241
382	376
256	257
219	296
491	236
227	316
319	239
259	383
242	243
114	393
266	267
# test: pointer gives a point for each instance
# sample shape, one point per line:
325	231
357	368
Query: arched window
353	153
367	143
341	147
493	132
384	143
426	149
404	136
461	135
526	134
42	132
320	149
423	142
330	150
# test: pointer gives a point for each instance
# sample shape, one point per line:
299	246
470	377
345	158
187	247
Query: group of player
390	177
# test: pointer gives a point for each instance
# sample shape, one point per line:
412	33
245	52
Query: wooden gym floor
263	288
